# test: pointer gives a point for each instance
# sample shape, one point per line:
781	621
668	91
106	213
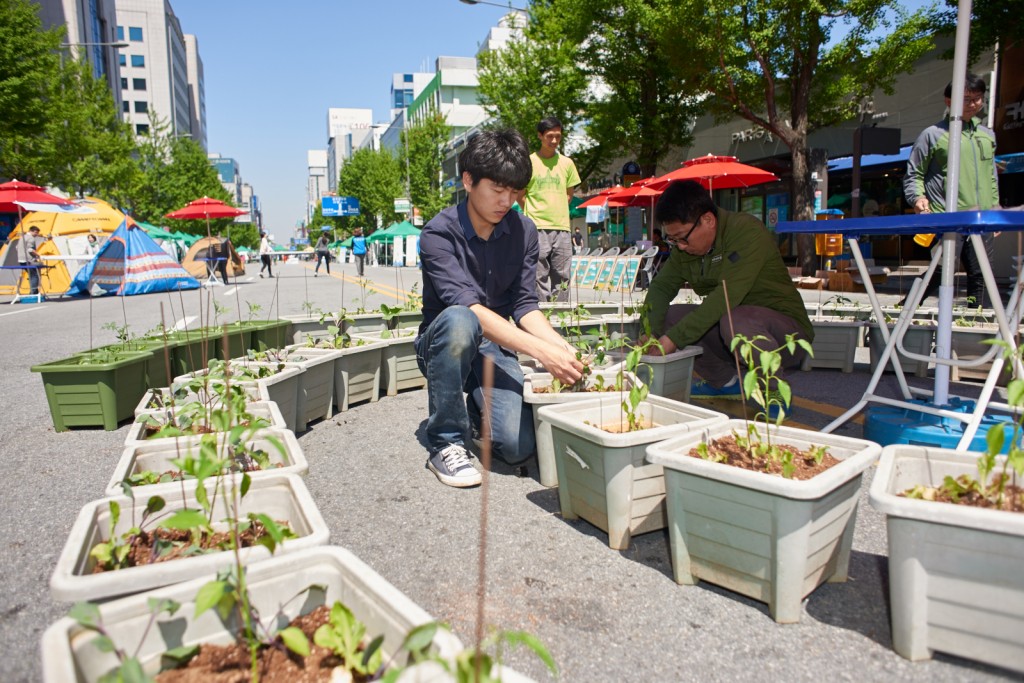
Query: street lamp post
493	4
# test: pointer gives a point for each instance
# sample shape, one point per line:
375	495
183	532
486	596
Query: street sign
340	206
403	205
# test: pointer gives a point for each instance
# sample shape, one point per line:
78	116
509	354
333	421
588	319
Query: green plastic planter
399	369
193	352
357	374
238	340
98	395
269	334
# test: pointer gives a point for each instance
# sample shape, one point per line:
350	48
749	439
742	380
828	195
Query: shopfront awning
866	160
1010	163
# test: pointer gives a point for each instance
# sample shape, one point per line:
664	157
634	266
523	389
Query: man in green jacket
978	188
720	252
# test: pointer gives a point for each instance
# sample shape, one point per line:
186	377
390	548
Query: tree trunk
803	203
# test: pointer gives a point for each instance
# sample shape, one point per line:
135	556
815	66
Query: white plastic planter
361	323
357	374
955	578
602	477
327	575
154	398
156	456
669	376
282	388
835	344
303	325
918	339
316	385
764	536
264	409
283	497
399	369
545	446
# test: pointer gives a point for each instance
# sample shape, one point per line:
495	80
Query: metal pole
944	331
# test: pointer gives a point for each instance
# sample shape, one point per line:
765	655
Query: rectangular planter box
283	497
269	334
670	376
545	446
918	339
303	325
158	400
967	343
316	394
603	477
99	395
193	352
955	579
763	536
357	374
267	410
399	369
323	575
406	320
835	345
361	323
282	388
238	340
156	456
593	307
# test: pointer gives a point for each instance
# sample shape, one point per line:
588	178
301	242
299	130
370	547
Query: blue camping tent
130	262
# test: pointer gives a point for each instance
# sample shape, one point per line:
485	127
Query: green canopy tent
347	243
574	210
383	240
155	231
189	239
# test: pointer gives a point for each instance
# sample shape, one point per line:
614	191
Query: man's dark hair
548	123
684	201
972	83
501	156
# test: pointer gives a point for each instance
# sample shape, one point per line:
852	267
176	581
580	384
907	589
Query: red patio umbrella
205	208
717	173
17	191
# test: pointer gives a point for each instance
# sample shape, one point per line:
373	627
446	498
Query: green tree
29	66
992	22
172	173
785	66
642	107
90	148
425	144
529	80
373	177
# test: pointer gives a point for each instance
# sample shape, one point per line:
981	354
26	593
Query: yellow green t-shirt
546	201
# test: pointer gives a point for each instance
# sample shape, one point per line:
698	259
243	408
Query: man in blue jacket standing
359	250
480	301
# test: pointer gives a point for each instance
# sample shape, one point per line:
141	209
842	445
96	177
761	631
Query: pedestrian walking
323	253
546	201
28	256
925	183
359	250
479	271
265	254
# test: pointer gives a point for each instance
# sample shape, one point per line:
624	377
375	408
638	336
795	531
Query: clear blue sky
272	69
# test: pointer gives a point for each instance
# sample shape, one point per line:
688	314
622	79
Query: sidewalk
605	615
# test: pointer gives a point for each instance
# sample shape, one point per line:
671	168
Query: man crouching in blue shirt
479	269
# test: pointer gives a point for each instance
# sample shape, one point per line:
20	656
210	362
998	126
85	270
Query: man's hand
561	362
667	346
921	205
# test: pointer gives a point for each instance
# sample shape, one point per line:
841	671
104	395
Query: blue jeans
451	353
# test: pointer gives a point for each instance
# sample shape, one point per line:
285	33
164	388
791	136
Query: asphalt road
605	615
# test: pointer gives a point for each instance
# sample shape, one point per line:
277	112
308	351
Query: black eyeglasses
685	239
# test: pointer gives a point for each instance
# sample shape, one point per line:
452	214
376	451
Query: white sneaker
453	467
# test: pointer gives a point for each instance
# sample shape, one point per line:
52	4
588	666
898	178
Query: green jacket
978	187
746	257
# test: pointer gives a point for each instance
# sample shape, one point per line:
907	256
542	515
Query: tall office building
155	71
90	34
196	90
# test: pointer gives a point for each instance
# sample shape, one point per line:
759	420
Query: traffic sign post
340	206
403	205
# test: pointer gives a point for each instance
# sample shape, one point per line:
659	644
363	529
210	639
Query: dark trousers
265	260
975	280
326	258
717	365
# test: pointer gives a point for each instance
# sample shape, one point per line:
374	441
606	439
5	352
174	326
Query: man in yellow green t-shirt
546	201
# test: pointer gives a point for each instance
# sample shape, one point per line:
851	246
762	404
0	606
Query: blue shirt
460	269
358	245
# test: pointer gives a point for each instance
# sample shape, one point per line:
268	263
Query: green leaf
295	640
155	504
995	438
184	520
210	594
246	483
103	643
177	657
85	613
132	672
420	637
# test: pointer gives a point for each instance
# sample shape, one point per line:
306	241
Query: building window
407	78
122	60
142	107
139	83
120	33
138	60
124	84
142	128
124	106
135	34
